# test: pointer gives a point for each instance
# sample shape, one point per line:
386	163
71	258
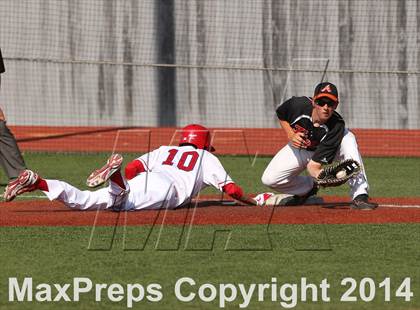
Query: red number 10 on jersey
190	158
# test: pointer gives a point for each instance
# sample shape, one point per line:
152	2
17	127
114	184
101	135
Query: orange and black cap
326	90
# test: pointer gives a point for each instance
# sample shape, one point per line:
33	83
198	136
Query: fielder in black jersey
10	156
317	136
323	139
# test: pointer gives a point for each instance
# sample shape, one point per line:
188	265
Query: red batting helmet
197	135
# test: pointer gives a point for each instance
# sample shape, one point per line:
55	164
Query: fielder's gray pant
10	157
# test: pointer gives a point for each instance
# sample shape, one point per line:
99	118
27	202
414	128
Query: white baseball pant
145	191
283	172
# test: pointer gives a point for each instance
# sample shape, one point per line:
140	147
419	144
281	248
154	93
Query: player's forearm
298	139
287	128
314	168
237	193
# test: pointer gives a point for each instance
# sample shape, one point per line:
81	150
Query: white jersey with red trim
190	169
177	174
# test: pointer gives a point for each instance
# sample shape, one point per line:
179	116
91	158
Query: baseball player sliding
317	136
168	177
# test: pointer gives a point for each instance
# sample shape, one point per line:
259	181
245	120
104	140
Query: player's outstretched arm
237	193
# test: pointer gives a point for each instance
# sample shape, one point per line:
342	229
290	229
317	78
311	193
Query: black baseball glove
338	173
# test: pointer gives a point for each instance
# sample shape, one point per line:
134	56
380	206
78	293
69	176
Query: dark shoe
361	202
312	192
296	200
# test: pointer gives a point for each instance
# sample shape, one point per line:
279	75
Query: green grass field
388	177
286	252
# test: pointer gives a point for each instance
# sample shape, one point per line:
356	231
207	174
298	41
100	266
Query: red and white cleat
25	182
100	176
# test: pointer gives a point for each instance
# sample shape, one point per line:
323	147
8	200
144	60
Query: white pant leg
74	198
282	173
151	191
349	150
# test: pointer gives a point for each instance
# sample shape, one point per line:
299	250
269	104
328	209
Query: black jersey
1	64
325	139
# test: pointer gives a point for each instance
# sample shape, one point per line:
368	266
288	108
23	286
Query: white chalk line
34	197
400	206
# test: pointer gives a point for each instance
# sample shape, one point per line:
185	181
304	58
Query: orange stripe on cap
330	96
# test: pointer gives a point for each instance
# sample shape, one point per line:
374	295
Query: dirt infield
249	141
45	213
244	141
